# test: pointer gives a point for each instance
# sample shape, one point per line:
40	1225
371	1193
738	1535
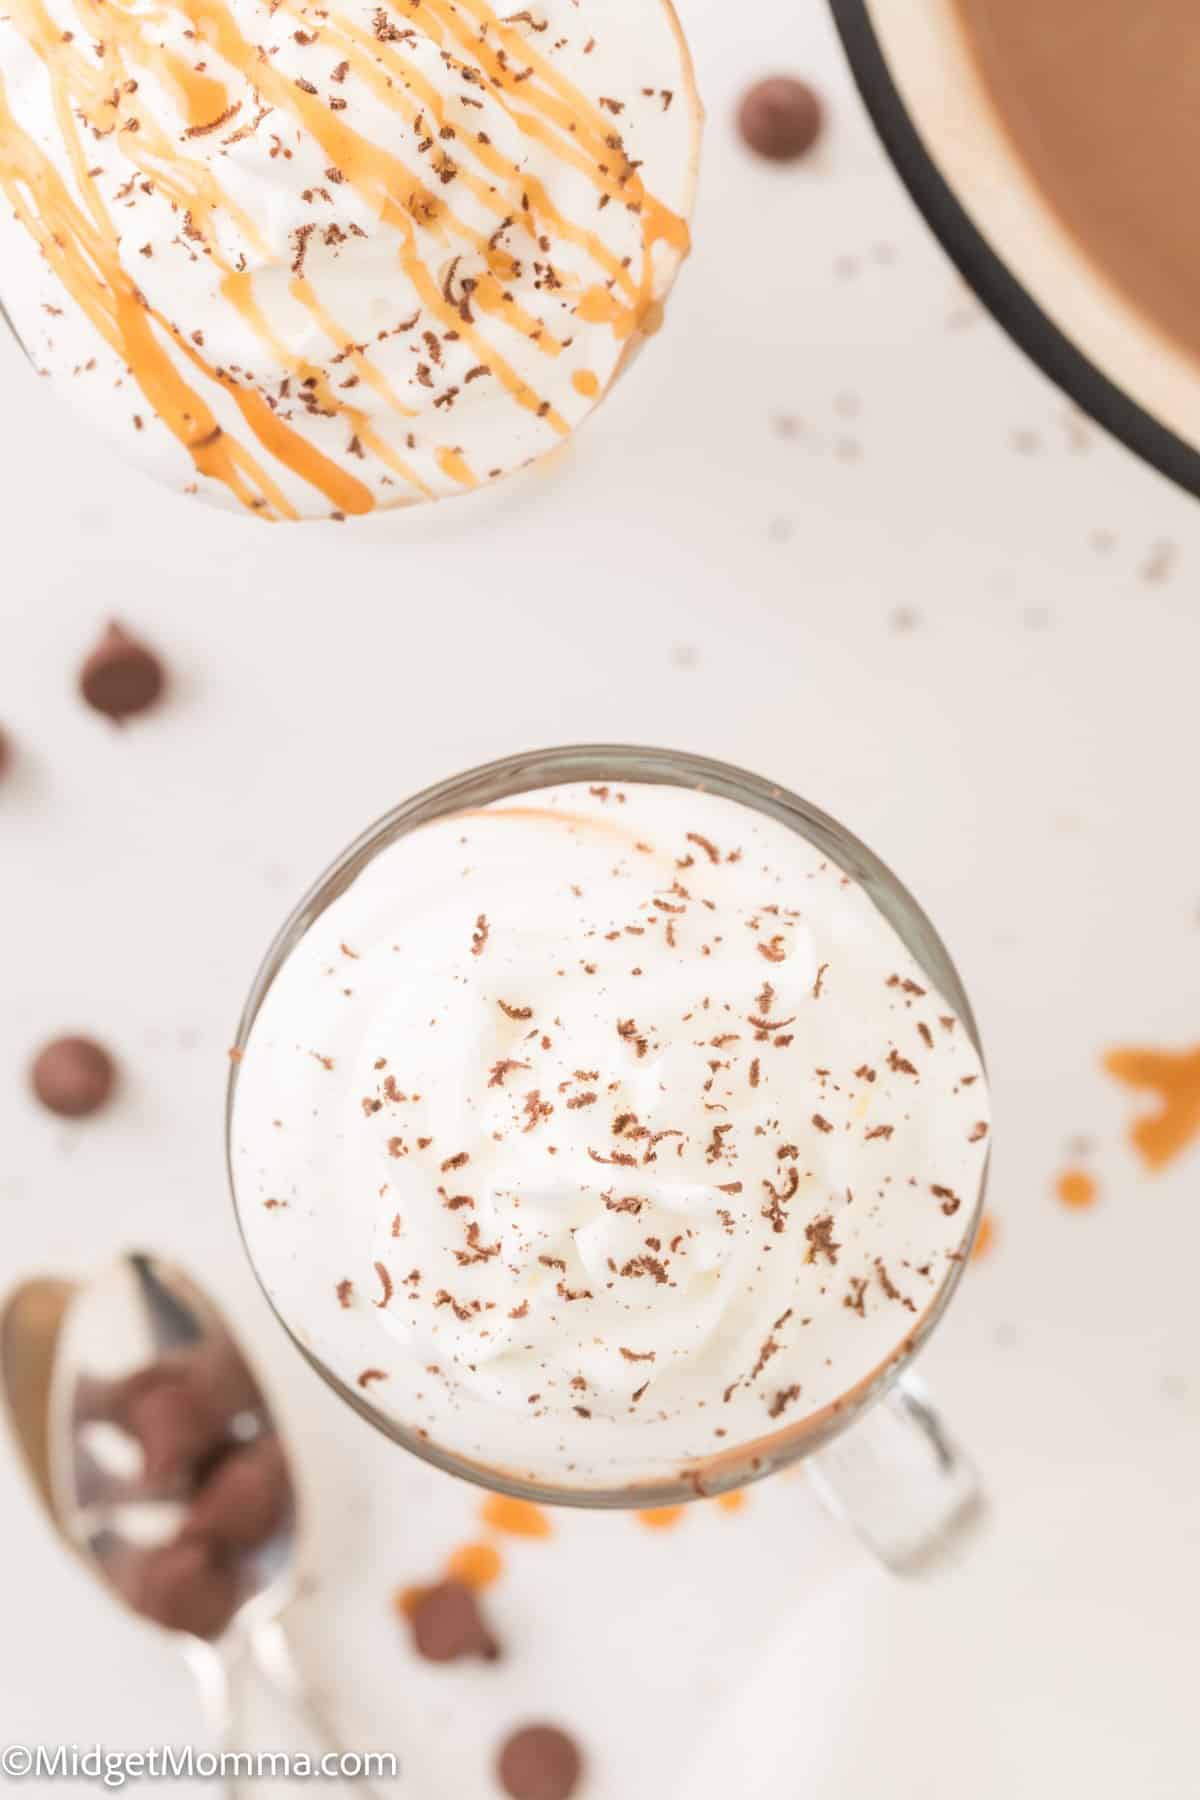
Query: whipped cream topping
598	1133
313	259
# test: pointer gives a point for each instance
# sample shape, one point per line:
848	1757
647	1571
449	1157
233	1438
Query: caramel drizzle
87	258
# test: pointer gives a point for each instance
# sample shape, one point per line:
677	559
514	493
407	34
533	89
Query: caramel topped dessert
315	259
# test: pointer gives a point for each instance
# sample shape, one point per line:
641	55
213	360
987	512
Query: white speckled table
833	527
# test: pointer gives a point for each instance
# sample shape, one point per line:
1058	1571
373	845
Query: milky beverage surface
312	260
602	1131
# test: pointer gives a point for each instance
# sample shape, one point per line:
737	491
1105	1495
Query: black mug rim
1010	303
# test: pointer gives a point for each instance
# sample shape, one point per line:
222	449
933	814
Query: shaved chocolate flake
783	1399
979	1131
856	1298
581	1100
454	1202
755	1073
479	936
819	1233
475	1252
779	1197
818	983
231	112
770	1348
515	1012
702	843
443	1298
822	1124
367	1376
519	1312
949	1199
637	1266
926	1034
502	1068
900	1064
536	1109
627	1029
344	1290
629	1203
456	1162
396	1147
715	1148
889	1287
865	1072
880	1131
385	1282
774	951
907	987
553	1262
636	1356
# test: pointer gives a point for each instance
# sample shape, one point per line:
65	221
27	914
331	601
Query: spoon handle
272	1651
211	1671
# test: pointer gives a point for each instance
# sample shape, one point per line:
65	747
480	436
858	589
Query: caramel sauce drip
985	1238
660	1518
82	244
1174	1076
477	1566
519	1518
1077	1189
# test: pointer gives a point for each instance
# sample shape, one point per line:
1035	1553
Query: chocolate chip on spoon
781	118
73	1077
447	1624
122	676
539	1763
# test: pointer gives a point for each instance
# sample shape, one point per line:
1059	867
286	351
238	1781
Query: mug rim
994	284
628	764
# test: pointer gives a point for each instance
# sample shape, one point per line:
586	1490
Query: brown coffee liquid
1101	99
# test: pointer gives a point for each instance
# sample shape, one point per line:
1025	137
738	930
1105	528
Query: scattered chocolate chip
122	676
447	1624
781	118
539	1763
73	1077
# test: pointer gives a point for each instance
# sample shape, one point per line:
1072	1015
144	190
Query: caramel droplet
519	1518
985	1238
660	1518
1174	1076
1076	1188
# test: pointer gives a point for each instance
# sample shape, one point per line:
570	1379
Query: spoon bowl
166	1468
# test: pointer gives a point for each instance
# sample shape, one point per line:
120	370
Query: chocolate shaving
819	1233
385	1281
783	1400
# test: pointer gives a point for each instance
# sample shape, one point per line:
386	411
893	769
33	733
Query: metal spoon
157	1457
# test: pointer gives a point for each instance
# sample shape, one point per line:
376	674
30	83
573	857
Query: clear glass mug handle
900	1481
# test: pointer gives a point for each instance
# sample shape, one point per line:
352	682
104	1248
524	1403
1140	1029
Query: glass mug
879	1456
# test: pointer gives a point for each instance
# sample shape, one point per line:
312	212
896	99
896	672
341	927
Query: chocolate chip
781	118
121	676
447	1624
539	1763
184	1586
73	1077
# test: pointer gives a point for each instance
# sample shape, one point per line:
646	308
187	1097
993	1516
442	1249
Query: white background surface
832	527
